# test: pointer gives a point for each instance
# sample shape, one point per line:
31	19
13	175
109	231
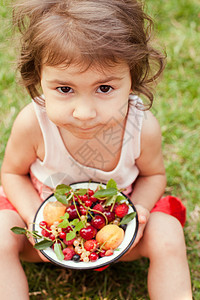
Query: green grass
177	109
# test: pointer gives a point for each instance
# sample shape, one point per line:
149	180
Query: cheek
55	113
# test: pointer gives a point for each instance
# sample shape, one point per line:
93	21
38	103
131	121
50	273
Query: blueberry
76	257
89	218
123	226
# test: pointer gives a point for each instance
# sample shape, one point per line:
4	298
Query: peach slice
53	211
110	236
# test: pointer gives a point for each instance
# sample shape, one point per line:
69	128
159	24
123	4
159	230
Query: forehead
119	69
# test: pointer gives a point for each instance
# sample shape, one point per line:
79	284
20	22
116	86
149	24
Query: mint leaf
43	245
65	221
70	235
128	218
58	251
111	184
18	230
79	226
64	224
74	222
105	193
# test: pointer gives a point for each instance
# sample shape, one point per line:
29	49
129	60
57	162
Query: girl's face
86	102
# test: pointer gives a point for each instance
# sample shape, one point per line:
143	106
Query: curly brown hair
86	32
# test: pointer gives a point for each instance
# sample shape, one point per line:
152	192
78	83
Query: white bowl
130	235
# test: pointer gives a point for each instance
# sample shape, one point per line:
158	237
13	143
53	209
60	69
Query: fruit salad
83	225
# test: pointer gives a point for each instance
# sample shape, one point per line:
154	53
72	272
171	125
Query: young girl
84	63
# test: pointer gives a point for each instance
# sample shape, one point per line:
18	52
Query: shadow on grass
120	281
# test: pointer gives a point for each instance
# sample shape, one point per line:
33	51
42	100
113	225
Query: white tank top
59	166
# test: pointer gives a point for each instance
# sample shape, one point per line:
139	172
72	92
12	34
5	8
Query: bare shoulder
151	132
26	125
26	119
151	159
25	139
151	126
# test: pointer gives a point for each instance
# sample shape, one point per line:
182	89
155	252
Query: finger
142	219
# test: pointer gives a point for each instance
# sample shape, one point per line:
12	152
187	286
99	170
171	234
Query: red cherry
102	253
94	199
45	233
71	210
83	210
84	198
110	215
43	224
93	256
62	235
88	202
88	232
52	236
98	221
67	229
90	192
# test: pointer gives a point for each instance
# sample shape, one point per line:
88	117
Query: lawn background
177	109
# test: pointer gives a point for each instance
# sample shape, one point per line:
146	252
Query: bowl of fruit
85	225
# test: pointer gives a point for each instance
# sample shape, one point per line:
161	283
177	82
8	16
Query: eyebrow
108	79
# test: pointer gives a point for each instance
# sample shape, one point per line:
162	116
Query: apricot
110	236
53	211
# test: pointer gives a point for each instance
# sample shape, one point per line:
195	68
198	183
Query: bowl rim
103	263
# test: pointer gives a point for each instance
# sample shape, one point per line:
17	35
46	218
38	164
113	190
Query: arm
20	152
151	181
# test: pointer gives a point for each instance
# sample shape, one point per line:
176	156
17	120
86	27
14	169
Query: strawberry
91	245
121	210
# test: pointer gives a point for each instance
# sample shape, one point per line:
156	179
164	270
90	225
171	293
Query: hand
143	216
32	241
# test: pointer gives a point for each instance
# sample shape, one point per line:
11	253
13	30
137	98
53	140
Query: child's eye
104	89
65	89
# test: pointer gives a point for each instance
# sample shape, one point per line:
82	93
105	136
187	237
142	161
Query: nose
84	109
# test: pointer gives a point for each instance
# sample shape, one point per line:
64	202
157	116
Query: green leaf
43	245
65	221
61	198
74	222
60	193
111	200
58	251
81	192
79	226
120	198
63	188
19	230
64	224
35	234
111	184
128	218
70	235
105	193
